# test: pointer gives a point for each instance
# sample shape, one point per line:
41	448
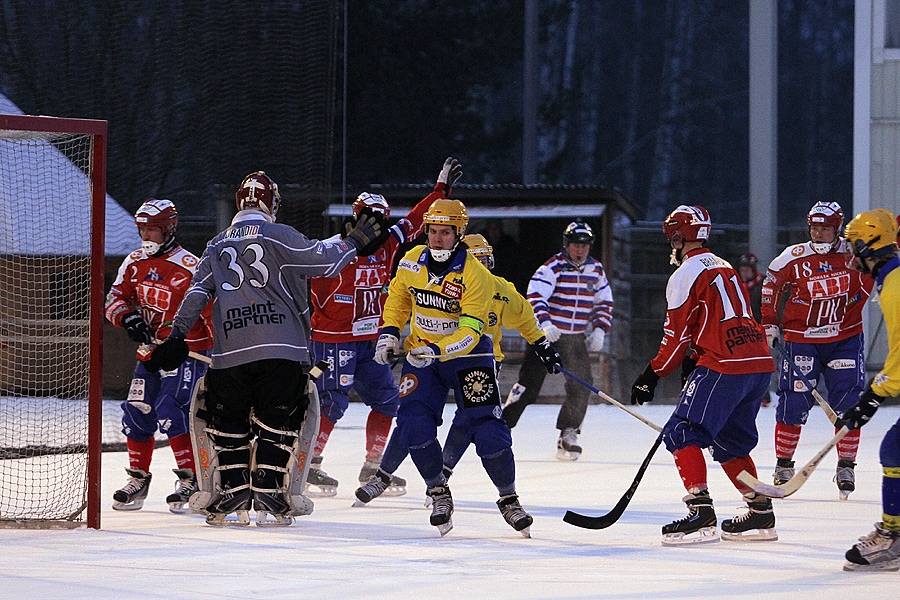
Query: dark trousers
573	350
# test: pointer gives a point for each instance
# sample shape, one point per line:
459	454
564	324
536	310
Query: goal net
52	204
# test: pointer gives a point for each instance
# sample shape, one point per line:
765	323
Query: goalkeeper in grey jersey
256	270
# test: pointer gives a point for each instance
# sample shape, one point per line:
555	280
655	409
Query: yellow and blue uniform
448	311
887	384
510	310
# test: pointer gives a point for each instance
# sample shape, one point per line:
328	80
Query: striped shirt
571	297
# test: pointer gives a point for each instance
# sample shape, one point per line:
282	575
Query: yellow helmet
448	212
479	247
872	233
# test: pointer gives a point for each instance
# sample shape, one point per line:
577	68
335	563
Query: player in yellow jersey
445	295
873	238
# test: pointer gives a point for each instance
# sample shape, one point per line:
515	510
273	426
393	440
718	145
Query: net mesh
45	264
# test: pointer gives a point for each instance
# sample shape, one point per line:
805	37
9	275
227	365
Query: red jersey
826	295
709	310
155	287
348	307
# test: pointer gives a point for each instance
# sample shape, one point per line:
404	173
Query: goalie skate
698	527
441	509
236	502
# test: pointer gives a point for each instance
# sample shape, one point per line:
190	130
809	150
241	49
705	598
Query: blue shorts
718	412
352	366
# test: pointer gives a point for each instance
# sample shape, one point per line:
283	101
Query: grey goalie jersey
256	271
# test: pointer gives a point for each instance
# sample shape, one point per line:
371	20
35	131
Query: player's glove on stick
136	328
548	355
423	356
773	335
369	232
551	331
388	345
449	175
595	340
644	386
169	355
687	367
860	414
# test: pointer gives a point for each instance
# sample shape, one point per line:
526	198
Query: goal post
52	263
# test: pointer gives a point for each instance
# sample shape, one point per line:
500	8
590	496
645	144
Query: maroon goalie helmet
374	202
258	191
158	213
687	224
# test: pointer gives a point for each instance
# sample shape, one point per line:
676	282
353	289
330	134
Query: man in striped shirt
573	304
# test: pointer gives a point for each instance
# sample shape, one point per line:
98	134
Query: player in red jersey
709	312
345	324
823	336
143	300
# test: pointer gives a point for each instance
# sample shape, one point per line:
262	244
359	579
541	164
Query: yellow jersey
887	382
511	310
449	310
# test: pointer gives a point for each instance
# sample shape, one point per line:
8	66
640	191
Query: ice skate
397	485
233	500
567	447
134	492
374	487
515	515
756	525
446	472
184	489
441	508
784	470
878	551
320	484
271	505
845	477
698	527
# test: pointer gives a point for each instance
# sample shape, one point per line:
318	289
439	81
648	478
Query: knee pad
275	444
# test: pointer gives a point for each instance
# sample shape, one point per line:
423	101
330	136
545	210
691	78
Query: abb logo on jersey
832	286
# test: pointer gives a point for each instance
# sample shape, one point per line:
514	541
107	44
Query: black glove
369	232
548	355
860	414
137	329
450	173
687	367
169	355
644	385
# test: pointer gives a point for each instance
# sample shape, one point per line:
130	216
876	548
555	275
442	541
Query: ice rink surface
388	550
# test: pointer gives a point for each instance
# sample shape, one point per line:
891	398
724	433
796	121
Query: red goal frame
97	129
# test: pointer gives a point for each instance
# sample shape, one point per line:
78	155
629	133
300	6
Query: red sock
734	467
140	454
786	438
183	450
378	426
847	447
326	426
692	468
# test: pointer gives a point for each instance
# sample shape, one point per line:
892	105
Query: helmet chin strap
824	247
154	249
443	255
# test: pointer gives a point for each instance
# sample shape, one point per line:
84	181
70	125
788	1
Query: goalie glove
450	174
388	345
595	340
169	355
551	331
548	355
423	356
773	335
644	386
136	328
860	414
369	232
